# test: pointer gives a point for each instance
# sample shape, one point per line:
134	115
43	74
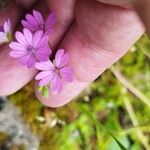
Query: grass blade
101	127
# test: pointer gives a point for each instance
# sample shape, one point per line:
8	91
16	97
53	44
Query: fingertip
52	100
68	93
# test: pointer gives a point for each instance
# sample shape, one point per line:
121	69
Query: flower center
1	29
30	48
57	70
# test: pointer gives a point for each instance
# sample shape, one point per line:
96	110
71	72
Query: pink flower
35	22
5	32
54	73
30	48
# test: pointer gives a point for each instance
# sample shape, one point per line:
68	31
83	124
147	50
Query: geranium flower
35	22
56	72
30	48
5	32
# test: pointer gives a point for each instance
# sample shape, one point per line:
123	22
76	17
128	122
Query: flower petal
67	74
50	22
43	42
45	81
17	46
20	38
37	37
31	61
24	59
7	26
56	84
44	50
58	57
43	75
47	65
42	57
17	54
61	59
27	25
3	37
28	36
32	21
43	54
38	16
64	60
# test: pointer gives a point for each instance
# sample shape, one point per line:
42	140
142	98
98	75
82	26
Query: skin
143	9
95	35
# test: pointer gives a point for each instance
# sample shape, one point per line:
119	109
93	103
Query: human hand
95	35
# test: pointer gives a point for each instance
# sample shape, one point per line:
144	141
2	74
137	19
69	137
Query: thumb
94	43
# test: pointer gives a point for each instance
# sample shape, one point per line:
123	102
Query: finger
64	11
143	9
99	37
10	66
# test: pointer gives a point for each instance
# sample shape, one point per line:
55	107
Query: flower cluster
33	50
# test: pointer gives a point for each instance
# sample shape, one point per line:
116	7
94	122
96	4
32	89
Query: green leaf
117	141
101	127
9	36
44	90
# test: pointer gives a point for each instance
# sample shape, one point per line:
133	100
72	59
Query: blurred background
113	113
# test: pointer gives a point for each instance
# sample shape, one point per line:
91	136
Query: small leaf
9	37
44	90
